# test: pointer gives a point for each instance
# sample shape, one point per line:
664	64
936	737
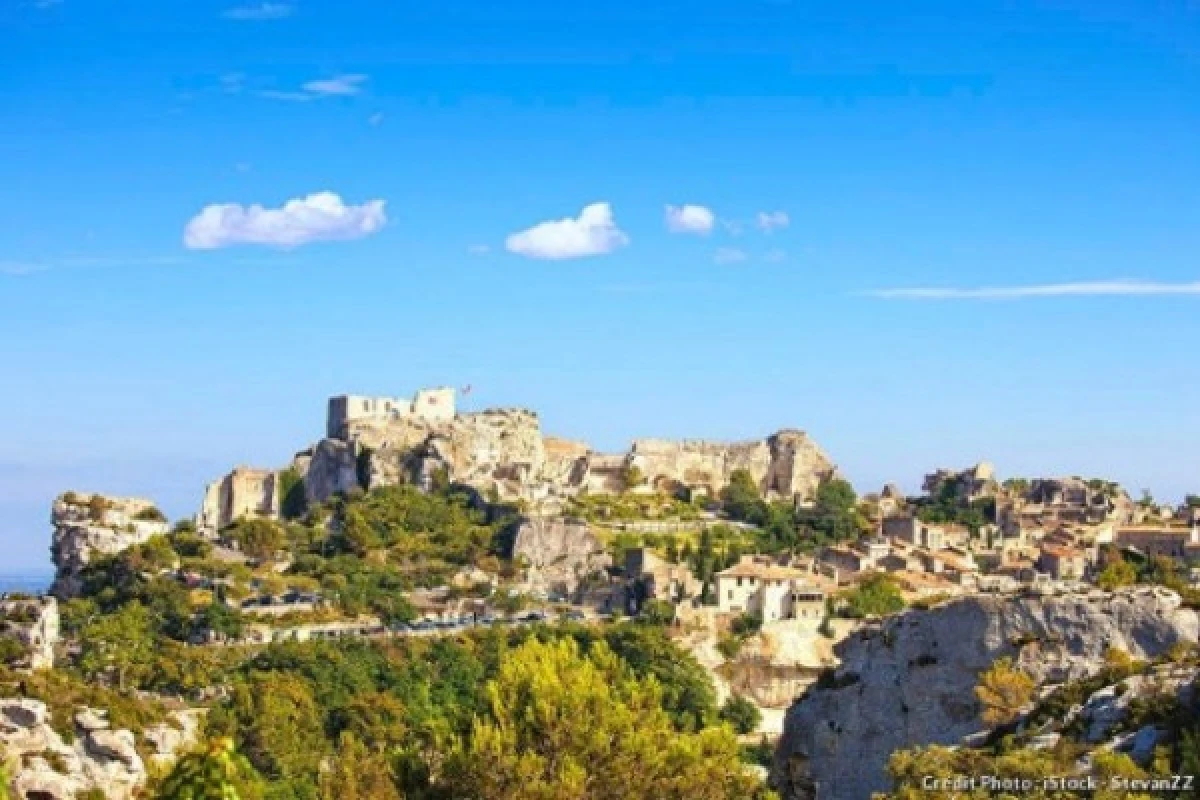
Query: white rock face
34	623
559	553
503	452
98	759
911	680
90	525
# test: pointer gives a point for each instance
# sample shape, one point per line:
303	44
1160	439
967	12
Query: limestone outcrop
97	758
910	680
91	525
504	453
34	622
557	553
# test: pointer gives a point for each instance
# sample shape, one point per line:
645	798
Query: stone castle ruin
504	454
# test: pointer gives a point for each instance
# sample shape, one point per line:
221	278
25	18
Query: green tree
632	477
293	500
280	725
877	595
216	773
561	725
1003	691
741	499
259	539
4	779
657	612
358	773
1117	572
741	714
121	644
221	619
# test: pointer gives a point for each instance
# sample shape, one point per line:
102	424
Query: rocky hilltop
503	453
91	525
910	680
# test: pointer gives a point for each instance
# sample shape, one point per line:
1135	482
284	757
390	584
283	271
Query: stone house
1062	562
776	592
654	578
1161	540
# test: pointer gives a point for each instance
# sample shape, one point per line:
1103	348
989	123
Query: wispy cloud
479	249
44	4
337	86
729	255
259	12
20	268
318	217
775	256
594	232
1117	288
770	221
690	219
376	119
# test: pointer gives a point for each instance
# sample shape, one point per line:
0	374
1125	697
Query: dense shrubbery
426	703
833	517
876	595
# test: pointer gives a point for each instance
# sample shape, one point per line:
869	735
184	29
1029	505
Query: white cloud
375	119
732	227
1119	288
775	256
256	13
729	255
594	232
690	219
339	85
479	249
319	217
769	221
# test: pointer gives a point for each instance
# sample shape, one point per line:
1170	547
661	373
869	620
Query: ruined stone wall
432	405
244	492
786	465
503	452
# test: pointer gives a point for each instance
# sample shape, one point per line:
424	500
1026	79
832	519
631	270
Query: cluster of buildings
1041	532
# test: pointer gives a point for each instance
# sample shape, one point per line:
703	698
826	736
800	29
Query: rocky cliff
558	553
97	758
88	525
911	680
504	453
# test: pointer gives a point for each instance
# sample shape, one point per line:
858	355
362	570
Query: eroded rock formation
504	453
48	767
558	553
91	525
910	680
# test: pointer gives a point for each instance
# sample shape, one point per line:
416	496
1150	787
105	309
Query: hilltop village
759	565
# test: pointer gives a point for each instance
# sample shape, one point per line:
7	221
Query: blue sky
1044	153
